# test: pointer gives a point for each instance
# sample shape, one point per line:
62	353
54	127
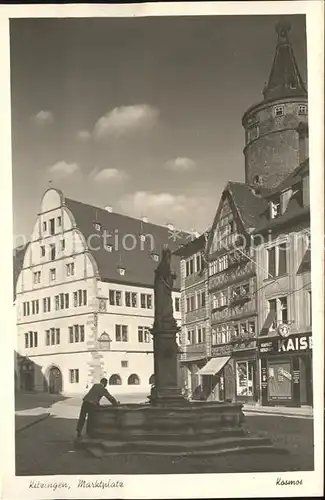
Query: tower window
302	109
279	110
253	132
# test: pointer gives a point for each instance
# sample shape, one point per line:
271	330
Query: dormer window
302	109
97	226
275	208
121	270
279	110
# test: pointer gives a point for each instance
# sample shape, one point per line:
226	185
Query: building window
52	274
74	376
144	334
130	299
76	333
189	267
190	337
277	260
275	208
278	314
44	226
59	221
52	252
70	269
124	364
52	336
146	301
302	109
52	226
62	245
199	263
115	379
80	298
201	335
62	301
26	310
190	303
177	304
37	277
200	299
115	297
278	110
42	250
47	304
121	333
133	379
31	339
35	306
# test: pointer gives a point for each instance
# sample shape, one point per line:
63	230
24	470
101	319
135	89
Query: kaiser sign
294	343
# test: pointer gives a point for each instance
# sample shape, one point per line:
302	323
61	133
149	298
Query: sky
142	114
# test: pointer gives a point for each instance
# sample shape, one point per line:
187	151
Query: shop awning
214	366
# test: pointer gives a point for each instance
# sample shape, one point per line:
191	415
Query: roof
193	246
128	251
292	179
249	202
285	79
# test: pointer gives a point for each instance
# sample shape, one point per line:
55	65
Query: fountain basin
197	428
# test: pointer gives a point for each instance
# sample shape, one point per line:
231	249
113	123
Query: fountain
169	424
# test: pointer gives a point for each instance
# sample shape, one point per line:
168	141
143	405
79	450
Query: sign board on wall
292	344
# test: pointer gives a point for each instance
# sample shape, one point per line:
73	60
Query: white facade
63	308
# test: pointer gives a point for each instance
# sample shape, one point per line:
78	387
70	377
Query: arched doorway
55	380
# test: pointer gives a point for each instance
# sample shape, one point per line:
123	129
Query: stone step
267	449
159	434
177	445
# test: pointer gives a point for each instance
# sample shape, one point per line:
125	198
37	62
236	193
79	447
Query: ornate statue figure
164	279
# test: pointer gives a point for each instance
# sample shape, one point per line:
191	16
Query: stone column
167	389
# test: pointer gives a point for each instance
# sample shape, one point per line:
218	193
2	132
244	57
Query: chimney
303	142
109	209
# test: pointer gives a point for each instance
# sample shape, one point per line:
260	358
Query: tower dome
272	126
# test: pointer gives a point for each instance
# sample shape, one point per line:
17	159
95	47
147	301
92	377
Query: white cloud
83	136
162	208
126	119
108	174
44	117
62	169
180	164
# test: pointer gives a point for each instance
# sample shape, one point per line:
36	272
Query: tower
272	126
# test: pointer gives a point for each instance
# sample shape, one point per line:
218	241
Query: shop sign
296	376
294	343
222	349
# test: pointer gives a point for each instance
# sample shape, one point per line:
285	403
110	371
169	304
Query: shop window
245	378
279	381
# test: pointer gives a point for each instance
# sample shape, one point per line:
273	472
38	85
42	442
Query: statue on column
163	286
